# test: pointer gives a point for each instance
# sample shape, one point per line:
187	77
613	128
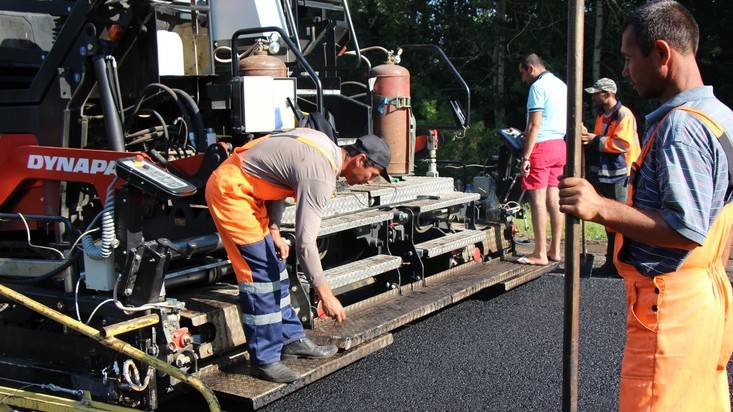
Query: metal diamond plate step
444	200
345	222
361	269
372	318
237	381
408	189
449	243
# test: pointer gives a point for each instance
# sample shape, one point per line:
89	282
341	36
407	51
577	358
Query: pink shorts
545	165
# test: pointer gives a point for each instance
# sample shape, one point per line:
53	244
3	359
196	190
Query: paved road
499	353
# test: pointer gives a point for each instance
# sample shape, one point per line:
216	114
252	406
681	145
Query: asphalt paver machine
113	113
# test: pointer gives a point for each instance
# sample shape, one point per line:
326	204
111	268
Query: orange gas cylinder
259	63
391	113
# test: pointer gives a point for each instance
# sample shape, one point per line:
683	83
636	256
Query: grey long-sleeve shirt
287	162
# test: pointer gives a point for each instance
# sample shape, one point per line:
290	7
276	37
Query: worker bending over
245	196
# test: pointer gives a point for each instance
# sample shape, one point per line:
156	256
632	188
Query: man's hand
281	246
579	198
331	304
524	169
587	138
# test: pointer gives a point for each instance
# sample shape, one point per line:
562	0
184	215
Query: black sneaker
305	348
275	372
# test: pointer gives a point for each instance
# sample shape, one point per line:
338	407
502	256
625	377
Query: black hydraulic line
160	119
352	32
198	119
453	70
572	169
298	55
167	90
115	86
40	278
112	123
40	218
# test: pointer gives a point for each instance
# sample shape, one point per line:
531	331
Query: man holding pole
673	235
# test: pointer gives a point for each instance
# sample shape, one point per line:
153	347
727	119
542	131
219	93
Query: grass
593	231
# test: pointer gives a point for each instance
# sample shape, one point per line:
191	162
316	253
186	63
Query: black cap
377	151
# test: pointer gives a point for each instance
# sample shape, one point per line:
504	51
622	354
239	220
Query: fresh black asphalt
492	352
498	352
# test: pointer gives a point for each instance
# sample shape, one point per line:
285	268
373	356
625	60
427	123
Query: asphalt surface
495	352
490	352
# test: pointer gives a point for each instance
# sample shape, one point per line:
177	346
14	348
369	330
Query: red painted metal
23	161
390	121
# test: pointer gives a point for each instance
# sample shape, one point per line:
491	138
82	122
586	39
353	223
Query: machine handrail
352	32
453	70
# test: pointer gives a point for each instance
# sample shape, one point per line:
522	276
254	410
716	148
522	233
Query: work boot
305	348
275	372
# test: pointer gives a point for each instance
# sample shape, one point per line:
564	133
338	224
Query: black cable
165	128
198	120
181	106
37	279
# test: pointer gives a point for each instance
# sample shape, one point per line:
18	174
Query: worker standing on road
543	156
245	196
674	234
610	148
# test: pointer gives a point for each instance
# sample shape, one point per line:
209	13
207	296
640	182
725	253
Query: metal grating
445	200
361	269
342	203
450	242
408	189
345	222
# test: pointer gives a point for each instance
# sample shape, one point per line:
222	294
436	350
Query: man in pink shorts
543	156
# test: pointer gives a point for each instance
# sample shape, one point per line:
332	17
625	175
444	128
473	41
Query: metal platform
374	317
442	201
409	188
447	243
237	380
361	269
350	221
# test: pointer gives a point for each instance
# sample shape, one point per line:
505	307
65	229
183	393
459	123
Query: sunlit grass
593	231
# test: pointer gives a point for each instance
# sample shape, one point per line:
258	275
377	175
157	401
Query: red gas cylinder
391	113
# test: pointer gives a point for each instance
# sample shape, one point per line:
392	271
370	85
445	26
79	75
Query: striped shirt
684	177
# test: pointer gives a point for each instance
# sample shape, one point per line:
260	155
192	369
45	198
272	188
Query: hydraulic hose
198	120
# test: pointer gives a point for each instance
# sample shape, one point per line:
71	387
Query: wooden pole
572	240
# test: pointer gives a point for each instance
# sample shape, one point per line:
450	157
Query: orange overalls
679	325
236	201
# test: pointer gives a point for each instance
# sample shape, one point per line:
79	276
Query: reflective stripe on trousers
269	320
236	203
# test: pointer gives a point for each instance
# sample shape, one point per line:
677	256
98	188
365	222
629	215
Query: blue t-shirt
684	177
549	95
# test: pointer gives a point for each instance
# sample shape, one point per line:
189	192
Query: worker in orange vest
245	197
610	149
673	235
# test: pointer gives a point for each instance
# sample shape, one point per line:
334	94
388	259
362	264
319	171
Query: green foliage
467	30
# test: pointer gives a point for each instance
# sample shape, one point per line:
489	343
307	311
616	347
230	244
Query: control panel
146	175
512	138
